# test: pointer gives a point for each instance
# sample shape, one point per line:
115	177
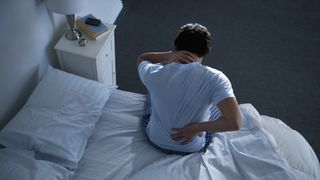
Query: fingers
180	139
179	136
176	130
189	55
185	60
186	53
184	57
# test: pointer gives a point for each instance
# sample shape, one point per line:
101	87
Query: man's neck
198	59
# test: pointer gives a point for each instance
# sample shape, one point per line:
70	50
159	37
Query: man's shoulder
145	62
215	74
147	66
212	70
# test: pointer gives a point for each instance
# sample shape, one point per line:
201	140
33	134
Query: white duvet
245	154
119	150
18	164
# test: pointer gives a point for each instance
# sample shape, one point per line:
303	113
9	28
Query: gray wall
28	33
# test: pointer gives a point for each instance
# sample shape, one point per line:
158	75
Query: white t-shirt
181	94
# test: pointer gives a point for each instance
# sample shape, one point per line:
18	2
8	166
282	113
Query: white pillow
20	164
293	147
58	117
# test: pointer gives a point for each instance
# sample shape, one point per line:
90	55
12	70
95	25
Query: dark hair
194	38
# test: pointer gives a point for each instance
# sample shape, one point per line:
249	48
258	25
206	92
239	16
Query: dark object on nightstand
93	21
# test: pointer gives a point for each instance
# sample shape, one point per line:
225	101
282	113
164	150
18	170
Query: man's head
194	38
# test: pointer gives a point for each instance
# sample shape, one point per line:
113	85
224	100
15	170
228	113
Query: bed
93	132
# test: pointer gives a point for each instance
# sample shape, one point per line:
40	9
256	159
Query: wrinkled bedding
118	150
21	165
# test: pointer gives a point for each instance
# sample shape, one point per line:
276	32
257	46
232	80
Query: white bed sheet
18	164
118	150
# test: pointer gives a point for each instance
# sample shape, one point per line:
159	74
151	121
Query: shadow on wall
27	86
27	48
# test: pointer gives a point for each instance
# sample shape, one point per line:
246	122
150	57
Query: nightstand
95	61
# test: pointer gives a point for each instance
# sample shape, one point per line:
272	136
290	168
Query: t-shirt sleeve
145	68
222	89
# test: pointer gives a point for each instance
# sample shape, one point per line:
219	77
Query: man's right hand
182	57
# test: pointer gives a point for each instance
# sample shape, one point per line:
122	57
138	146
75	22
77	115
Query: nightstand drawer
107	77
106	69
105	63
108	49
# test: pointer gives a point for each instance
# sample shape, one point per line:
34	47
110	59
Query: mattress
118	149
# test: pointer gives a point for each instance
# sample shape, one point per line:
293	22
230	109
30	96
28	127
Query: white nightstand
96	61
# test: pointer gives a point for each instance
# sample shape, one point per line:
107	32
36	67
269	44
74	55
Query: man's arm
229	121
166	57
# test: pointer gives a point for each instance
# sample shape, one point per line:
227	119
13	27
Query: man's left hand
186	134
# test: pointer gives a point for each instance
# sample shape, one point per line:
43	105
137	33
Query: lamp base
73	34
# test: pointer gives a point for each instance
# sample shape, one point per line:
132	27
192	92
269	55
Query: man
188	100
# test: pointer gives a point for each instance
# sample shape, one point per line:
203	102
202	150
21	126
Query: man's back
181	94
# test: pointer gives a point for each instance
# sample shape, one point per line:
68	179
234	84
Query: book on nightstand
95	32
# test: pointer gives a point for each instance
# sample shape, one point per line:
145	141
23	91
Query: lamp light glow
69	8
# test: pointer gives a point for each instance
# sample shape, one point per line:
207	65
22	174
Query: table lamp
69	8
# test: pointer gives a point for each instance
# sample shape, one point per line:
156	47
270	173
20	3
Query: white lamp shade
67	6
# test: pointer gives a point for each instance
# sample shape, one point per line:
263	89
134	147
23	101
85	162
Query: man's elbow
139	59
238	123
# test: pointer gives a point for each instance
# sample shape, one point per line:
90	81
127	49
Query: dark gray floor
270	50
